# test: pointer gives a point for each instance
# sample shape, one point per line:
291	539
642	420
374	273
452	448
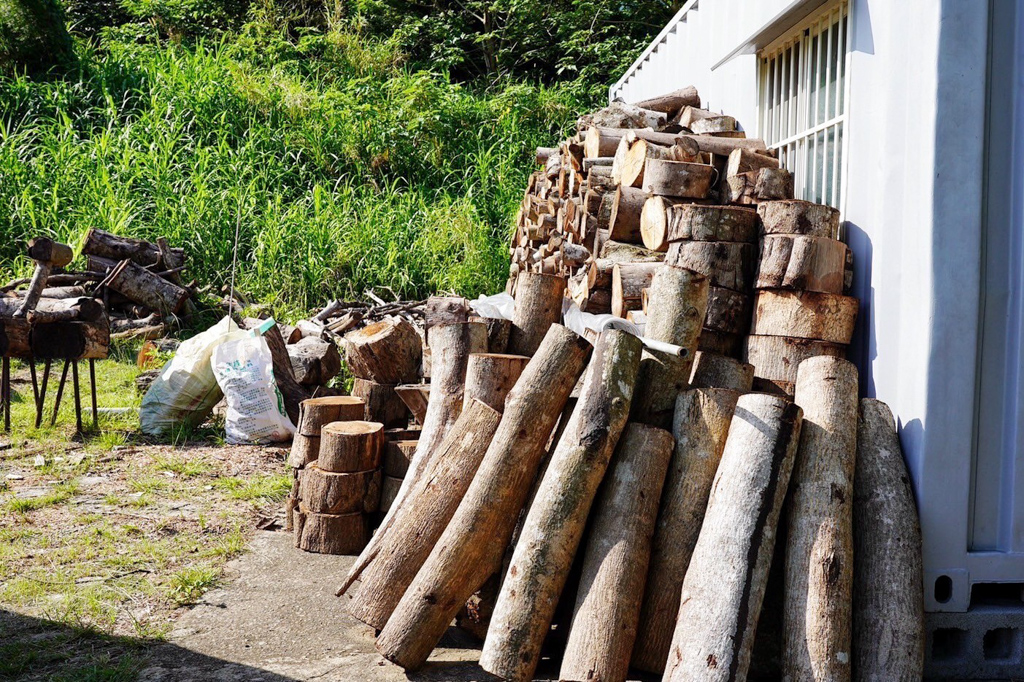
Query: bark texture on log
382	402
700	426
819	548
672	102
795	216
628	282
471	547
805	315
350	446
330	533
387	352
490	376
416	397
888	605
697	222
305	449
71	340
730	265
712	370
725	582
113	247
327	492
677	178
417	526
803	263
314	362
554	524
315	413
615	564
538	305
624	222
146	288
678	305
397	455
728	311
776	358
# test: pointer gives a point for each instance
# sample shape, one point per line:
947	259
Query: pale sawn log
713	370
624	222
386	352
721	597
315	413
558	513
802	263
490	377
794	216
326	492
471	548
670	103
330	533
616	560
628	283
538	305
350	446
700	426
665	221
729	265
805	315
677	178
146	288
416	397
728	311
776	358
888	604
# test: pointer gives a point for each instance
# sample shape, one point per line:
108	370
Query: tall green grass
341	169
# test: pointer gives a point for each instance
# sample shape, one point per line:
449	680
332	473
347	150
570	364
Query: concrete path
277	619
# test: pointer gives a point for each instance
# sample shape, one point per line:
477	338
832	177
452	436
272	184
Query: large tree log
315	413
803	263
418	525
554	524
382	401
327	492
677	178
73	340
710	125
678	305
725	582
314	362
713	370
670	103
604	623
490	377
805	315
640	152
628	283
397	455
146	288
350	446
387	352
538	305
663	221
819	548
766	184
624	223
776	358
730	265
728	311
794	216
604	141
498	331
700	426
745	160
888	604
83	308
15	338
471	547
723	146
115	248
330	533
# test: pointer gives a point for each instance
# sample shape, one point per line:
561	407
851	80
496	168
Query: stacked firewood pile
602	501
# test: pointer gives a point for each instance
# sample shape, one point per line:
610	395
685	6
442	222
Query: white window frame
805	125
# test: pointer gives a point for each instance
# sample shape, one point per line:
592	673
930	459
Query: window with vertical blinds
803	105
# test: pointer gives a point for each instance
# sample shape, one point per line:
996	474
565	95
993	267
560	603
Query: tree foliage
33	36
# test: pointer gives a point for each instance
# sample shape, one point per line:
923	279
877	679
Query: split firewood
672	102
490	377
314	362
712	370
555	522
730	265
624	222
803	263
387	352
805	315
330	533
628	283
328	492
725	581
383	404
799	217
538	305
713	124
888	604
417	526
663	221
817	618
144	287
615	564
415	397
700	426
471	547
678	306
350	446
677	178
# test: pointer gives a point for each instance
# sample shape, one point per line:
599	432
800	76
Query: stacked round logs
340	491
800	309
381	356
314	414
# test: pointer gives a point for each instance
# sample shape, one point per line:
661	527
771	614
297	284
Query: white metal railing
615	90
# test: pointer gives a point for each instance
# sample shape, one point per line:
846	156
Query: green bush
33	37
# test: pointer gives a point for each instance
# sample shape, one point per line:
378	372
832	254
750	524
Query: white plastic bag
186	391
245	372
497	306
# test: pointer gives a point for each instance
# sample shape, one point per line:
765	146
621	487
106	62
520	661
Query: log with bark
700	425
330	533
397	455
804	315
816	627
386	352
315	413
637	154
490	377
314	362
799	217
146	288
417	526
677	178
629	280
730	265
471	547
557	515
350	446
712	370
383	404
672	102
776	358
802	263
47	255
728	311
615	563
415	397
663	221
62	340
98	243
753	187
538	305
725	581
745	160
888	604
624	221
328	492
